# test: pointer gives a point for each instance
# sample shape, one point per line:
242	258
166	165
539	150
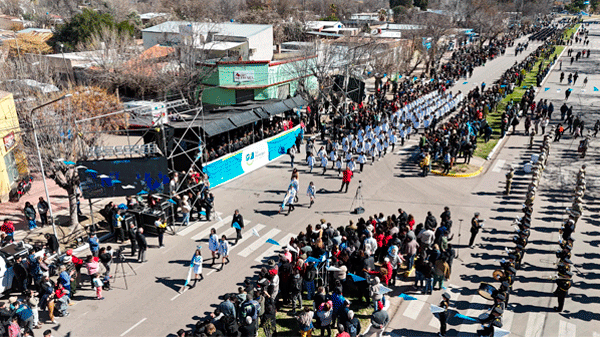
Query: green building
233	82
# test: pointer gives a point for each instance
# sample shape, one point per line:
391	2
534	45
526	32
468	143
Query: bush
82	26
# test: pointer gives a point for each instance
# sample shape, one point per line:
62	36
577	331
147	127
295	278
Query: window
11	167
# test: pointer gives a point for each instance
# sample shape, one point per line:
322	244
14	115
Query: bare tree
487	18
63	139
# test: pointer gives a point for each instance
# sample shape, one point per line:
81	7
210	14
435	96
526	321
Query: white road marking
273	248
478	306
507	319
454	293
566	329
499	165
261	241
535	324
230	231
133	327
193	227
414	307
204	234
247	235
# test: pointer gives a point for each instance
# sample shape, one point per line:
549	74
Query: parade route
152	306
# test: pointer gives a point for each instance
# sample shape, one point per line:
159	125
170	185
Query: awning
243	118
260	112
285	105
275	109
218	126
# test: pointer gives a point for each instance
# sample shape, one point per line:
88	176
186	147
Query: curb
498	144
459	175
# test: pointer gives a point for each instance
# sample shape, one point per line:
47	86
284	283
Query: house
146	17
365	17
318	26
218	40
233	82
13	165
240	62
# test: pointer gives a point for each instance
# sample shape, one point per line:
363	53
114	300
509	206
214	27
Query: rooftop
225	28
150	16
35	30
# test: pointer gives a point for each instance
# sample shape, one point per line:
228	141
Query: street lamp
37	146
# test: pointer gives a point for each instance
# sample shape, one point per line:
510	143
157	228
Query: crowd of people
339	270
457	137
228	143
40	291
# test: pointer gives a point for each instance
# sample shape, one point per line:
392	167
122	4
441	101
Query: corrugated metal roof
225	28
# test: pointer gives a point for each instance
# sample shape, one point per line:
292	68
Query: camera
118	254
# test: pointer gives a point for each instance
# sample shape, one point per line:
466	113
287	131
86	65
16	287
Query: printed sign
243	76
9	141
255	156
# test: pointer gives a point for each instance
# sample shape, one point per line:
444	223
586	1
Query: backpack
351	329
248	309
297	284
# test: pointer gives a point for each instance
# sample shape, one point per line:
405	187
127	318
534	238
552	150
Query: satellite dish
374	31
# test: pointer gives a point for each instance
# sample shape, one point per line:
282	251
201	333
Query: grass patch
569	32
495	119
287	325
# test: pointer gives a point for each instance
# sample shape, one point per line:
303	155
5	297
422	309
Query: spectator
30	214
43	208
305	322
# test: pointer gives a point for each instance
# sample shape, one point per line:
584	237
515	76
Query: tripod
458	250
120	262
358	199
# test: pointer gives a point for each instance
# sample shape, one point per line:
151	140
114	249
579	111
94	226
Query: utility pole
37	146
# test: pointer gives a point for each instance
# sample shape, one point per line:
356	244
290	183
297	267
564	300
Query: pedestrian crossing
248	245
259	242
533	324
566	329
206	232
454	293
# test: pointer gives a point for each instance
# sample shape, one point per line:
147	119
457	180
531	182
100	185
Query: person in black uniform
518	252
505	289
568	229
564	253
564	265
476	224
444	304
563	283
522	237
509	262
237	217
492	321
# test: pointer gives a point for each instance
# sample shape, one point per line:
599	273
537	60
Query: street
152	306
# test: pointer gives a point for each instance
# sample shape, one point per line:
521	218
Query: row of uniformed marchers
512	263
565	275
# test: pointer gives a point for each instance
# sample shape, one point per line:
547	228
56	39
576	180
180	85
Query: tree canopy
81	27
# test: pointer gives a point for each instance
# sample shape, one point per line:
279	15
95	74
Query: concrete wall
263	45
166	39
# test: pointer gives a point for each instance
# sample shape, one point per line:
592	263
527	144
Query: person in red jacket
346	179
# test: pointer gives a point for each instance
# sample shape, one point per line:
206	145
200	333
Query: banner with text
250	158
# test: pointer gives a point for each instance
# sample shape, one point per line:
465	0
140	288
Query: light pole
37	146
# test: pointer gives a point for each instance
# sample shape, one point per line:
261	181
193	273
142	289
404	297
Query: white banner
255	156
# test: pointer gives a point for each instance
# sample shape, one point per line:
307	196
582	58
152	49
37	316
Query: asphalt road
151	306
